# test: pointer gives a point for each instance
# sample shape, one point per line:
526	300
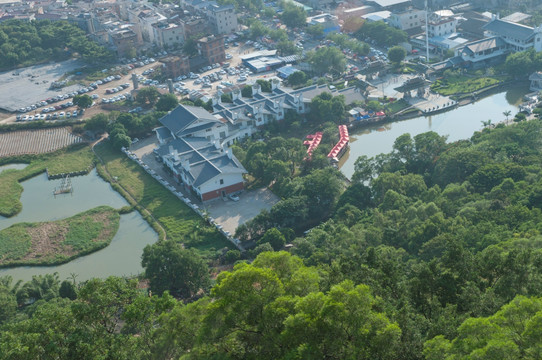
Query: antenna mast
426	33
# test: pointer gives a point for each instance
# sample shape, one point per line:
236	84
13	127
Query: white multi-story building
223	18
168	34
407	19
441	23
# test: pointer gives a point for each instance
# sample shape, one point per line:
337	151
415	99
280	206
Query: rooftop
509	29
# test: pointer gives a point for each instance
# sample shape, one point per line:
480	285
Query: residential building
223	18
195	25
407	19
168	34
176	66
329	22
212	48
124	41
536	81
441	23
390	5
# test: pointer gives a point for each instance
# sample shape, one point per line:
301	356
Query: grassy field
397	106
56	242
181	223
461	84
76	158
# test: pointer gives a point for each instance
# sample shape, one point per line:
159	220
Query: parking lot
24	87
230	214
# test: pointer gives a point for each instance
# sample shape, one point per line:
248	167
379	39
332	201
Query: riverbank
75	158
414	113
57	242
458	124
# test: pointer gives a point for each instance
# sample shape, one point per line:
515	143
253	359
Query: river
121	257
459	123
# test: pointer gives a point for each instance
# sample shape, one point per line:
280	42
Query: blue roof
286	71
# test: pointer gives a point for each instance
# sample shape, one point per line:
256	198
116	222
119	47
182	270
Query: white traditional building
190	149
518	37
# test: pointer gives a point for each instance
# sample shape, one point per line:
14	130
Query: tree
257	29
97	123
274	237
265	85
170	267
67	290
293	16
507	113
287	47
147	96
316	30
82	101
511	333
167	102
40	287
327	59
396	54
246	91
297	78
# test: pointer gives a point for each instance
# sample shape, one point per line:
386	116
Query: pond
457	124
121	257
12	166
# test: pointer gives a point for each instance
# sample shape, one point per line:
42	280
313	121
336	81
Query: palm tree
507	113
486	123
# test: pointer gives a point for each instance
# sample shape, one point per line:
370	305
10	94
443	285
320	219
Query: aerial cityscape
270	179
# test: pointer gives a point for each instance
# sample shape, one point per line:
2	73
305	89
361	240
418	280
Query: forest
24	43
432	252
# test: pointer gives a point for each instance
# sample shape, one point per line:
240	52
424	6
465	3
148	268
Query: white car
234	197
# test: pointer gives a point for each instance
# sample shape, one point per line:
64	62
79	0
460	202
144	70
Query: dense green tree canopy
327	59
396	54
293	16
167	102
26	43
171	268
381	32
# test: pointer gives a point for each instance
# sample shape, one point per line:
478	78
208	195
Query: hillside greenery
24	43
432	252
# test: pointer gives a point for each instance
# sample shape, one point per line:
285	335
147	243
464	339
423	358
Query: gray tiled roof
485	44
505	28
163	132
183	116
206	161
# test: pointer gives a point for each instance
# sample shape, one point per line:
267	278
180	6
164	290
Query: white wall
214	183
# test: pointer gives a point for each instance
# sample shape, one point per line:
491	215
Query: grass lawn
461	84
181	223
55	242
397	106
75	158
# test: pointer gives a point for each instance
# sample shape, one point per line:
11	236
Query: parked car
234	197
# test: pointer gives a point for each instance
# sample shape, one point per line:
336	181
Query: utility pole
426	33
